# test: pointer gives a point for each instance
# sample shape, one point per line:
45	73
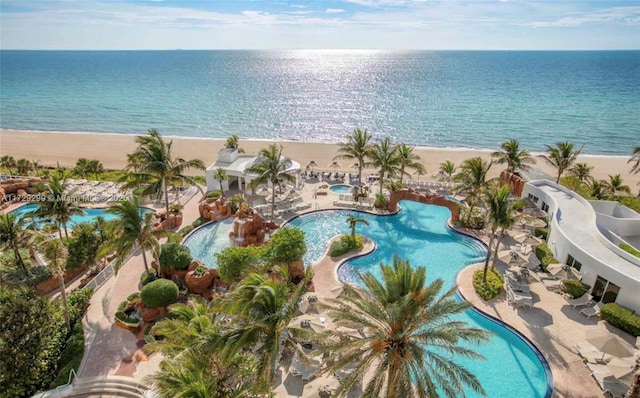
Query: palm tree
82	167
134	230
356	148
506	223
635	158
447	168
95	167
409	340
220	175
472	179
384	156
58	207
515	158
8	162
615	185
499	214
582	172
233	142
23	167
408	159
157	169
263	307
562	157
271	167
14	236
598	190
353	221
56	253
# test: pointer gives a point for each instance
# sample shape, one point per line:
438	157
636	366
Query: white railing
102	277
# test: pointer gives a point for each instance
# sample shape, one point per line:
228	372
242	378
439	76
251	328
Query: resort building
586	235
236	165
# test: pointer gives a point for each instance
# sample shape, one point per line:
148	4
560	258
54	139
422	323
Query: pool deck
551	324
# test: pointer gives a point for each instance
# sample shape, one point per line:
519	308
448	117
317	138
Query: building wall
562	246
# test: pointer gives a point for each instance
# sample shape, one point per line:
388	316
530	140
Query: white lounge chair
591	311
585	299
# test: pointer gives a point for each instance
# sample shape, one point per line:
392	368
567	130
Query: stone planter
198	283
150	314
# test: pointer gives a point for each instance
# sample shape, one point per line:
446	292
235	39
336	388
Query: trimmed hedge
629	249
492	288
346	244
541	233
174	256
159	293
574	288
145	278
621	317
545	255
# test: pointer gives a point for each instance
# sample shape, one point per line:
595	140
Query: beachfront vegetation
175	256
621	317
582	172
345	244
271	168
574	288
472	180
357	147
156	169
409	340
14	236
8	162
614	186
84	167
487	285
561	157
159	293
447	169
35	340
513	157
635	159
385	158
135	229
499	215
407	160
233	142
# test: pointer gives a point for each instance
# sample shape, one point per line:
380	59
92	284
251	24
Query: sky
346	24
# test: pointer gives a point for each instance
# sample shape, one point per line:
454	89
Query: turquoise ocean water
474	99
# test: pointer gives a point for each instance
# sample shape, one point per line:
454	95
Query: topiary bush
286	246
214	194
159	293
174	256
145	278
574	288
621	317
492	288
346	244
545	255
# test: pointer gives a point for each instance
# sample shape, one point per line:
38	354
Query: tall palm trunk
144	259
166	203
63	293
381	181
60	232
66	233
16	252
486	261
273	201
495	252
401	173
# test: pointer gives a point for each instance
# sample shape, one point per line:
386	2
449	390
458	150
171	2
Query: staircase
100	387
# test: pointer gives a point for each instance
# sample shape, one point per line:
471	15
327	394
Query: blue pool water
419	233
208	240
340	189
90	214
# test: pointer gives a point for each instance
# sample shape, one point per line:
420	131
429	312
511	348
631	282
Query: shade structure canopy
527	239
609	343
336	291
564	271
334	164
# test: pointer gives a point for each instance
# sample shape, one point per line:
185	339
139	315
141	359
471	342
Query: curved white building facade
586	234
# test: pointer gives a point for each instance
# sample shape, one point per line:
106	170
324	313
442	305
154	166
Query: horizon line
321	49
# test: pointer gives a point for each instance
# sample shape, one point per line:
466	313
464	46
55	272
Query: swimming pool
341	189
90	215
208	240
419	233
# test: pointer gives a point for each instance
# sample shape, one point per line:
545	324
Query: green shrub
159	293
286	246
175	256
12	274
380	201
214	194
71	356
629	249
345	244
493	286
621	317
127	319
186	230
145	278
632	202
83	246
574	288
541	233
78	303
233	260
545	255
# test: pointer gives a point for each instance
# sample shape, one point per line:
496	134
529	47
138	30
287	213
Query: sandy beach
52	147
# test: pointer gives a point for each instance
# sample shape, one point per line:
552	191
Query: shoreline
64	148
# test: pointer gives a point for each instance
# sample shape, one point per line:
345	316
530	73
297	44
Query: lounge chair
585	299
591	311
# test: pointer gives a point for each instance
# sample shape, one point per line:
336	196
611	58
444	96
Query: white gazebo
236	164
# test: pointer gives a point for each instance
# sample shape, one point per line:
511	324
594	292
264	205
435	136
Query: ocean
470	99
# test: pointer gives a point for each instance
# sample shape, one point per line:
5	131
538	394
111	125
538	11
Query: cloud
623	15
334	10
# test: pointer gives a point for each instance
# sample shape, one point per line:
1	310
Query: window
605	291
572	262
545	207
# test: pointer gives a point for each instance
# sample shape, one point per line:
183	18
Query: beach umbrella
335	165
563	271
312	164
622	369
336	291
527	239
509	256
609	344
